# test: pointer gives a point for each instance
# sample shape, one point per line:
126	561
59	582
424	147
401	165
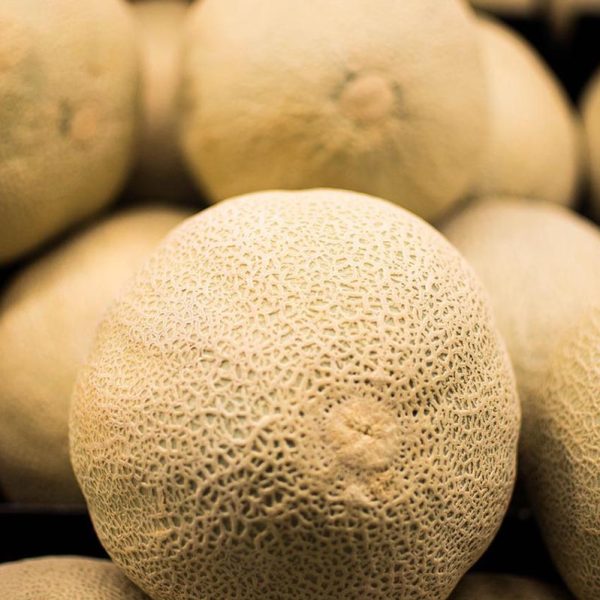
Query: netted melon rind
302	395
560	455
65	578
540	264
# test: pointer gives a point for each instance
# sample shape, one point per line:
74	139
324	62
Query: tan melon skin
535	143
48	317
561	456
491	586
303	395
590	109
540	264
389	101
65	578
160	171
68	110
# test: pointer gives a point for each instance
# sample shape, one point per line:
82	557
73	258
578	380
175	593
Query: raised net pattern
301	396
65	578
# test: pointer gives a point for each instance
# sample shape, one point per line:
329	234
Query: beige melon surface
160	171
65	578
68	109
388	100
303	395
534	144
540	264
48	317
590	109
561	457
488	586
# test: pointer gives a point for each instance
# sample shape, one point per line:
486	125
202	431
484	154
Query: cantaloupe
590	108
540	263
535	139
492	586
387	98
302	395
65	578
561	456
68	109
160	171
48	317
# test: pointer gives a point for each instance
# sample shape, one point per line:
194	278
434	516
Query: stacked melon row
300	393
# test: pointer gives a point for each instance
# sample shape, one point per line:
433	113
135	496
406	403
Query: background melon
68	109
65	578
561	456
48	317
540	264
302	395
160	171
590	108
488	586
386	100
534	143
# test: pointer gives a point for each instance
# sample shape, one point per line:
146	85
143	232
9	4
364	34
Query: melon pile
290	295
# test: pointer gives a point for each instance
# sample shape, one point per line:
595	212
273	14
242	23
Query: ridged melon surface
68	112
65	578
540	263
48	317
387	99
535	140
303	395
561	456
491	586
590	109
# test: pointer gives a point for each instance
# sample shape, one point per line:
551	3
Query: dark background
27	531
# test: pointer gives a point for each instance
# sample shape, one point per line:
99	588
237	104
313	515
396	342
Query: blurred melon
387	99
534	144
48	318
68	114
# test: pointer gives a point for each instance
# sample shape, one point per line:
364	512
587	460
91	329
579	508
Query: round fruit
48	318
487	586
299	94
65	578
68	91
160	170
590	109
303	395
561	456
534	143
540	264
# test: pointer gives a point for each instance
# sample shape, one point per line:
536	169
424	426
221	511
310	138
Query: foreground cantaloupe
534	143
488	586
68	109
302	395
561	456
292	95
160	171
540	264
590	108
48	317
65	578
